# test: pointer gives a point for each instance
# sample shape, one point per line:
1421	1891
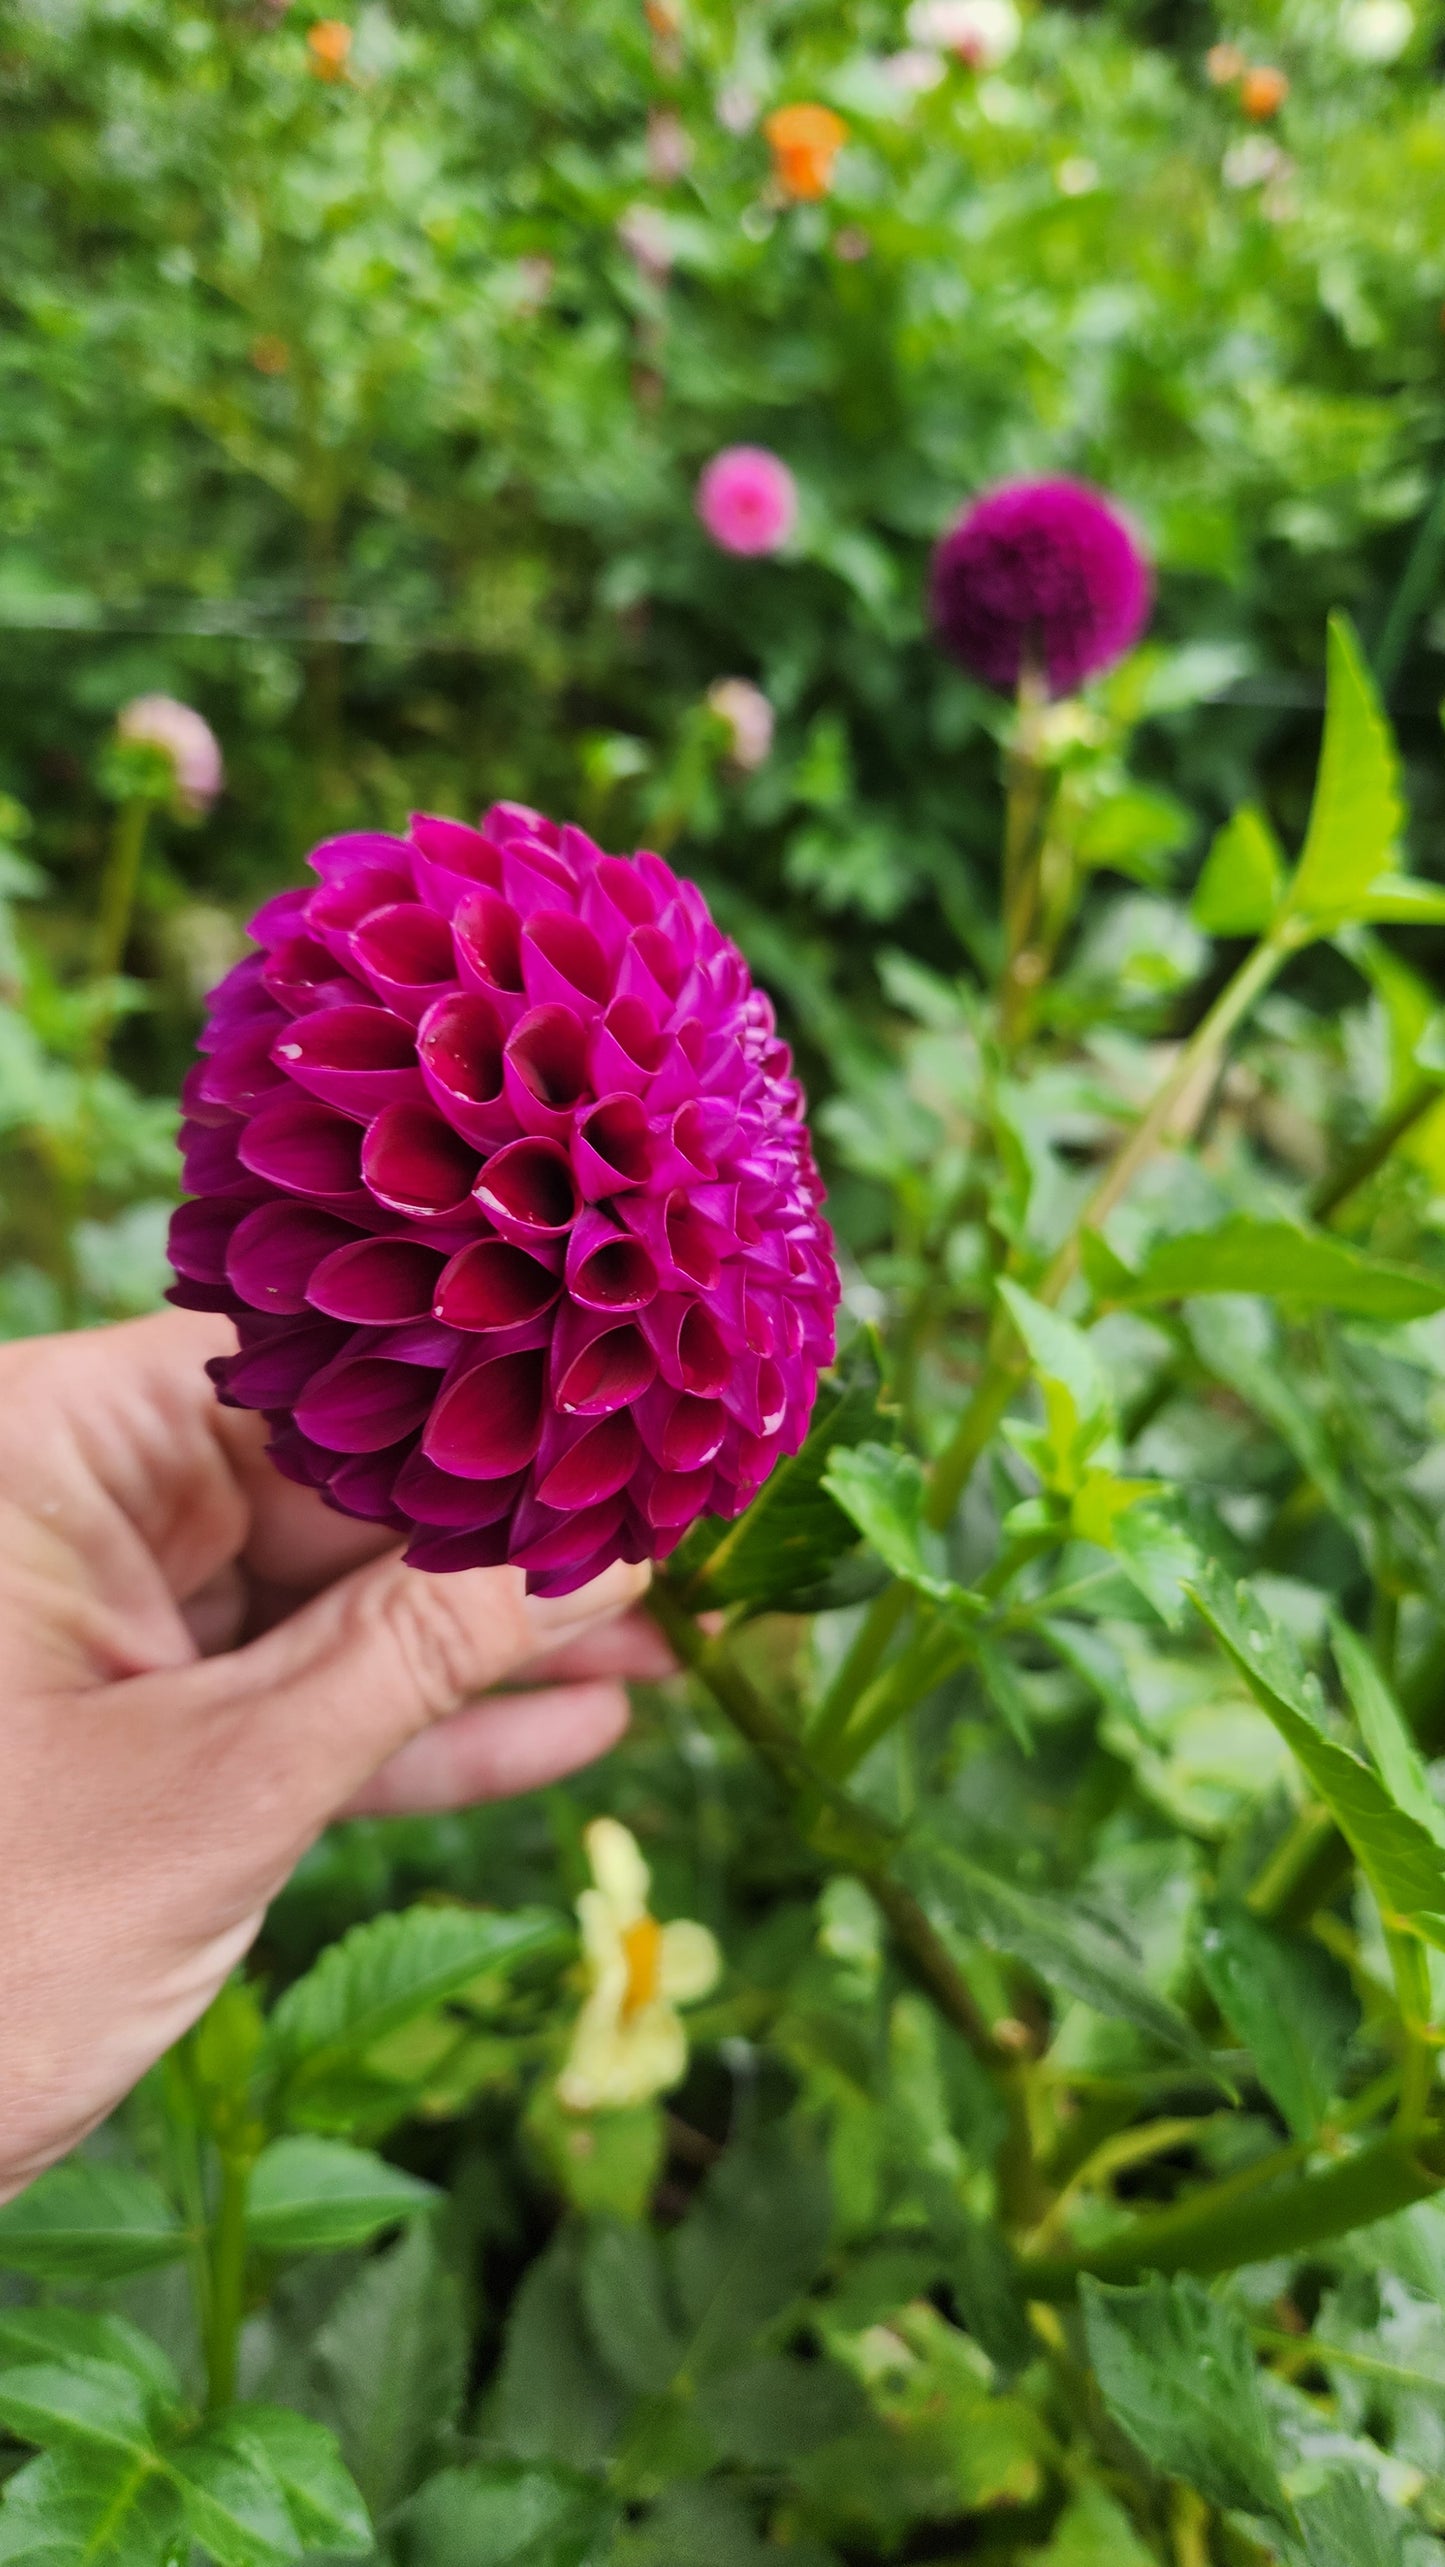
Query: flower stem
226	2297
118	889
1359	1166
844	1834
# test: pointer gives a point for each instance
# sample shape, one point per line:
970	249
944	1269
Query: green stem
119	885
1302	1871
1246	2219
932	1656
1359	1166
859	1667
839	1830
227	2281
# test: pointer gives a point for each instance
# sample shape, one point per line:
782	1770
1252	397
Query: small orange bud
329	45
270	354
1224	63
805	140
1262	92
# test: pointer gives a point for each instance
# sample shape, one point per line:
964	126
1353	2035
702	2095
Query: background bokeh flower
628	2043
1044	572
748	500
749	717
982	33
186	737
501	1171
805	142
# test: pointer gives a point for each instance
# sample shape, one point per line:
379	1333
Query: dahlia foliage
500	1168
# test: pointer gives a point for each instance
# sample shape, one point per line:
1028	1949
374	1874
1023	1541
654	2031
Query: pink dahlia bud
749	718
160	722
1041	572
501	1170
748	500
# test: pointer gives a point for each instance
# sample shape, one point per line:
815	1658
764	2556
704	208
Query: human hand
202	1665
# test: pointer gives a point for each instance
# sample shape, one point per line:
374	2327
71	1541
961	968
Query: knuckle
451	1635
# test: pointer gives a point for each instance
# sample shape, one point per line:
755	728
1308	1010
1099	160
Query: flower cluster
1043	573
501	1171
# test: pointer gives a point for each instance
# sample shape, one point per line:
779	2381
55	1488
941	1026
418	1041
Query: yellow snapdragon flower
628	2042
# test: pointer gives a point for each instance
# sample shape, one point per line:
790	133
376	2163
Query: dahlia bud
1262	92
748	500
982	33
501	1170
749	718
1041	574
329	45
187	740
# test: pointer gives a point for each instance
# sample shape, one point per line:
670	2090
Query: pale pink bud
669	147
749	717
188	741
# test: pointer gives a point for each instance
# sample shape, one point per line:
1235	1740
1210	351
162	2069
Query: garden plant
960	2082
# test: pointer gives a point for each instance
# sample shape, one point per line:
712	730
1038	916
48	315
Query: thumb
319	1703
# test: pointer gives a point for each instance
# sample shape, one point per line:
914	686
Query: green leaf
311	2193
1346	2522
880	1489
773	2411
1176	2370
1357	814
753	2241
322	2497
1239	890
61	2334
1392	1750
77	2401
794	1532
1287	1263
1076	1394
1092	2531
1288	2001
388	1970
555	2399
503	2513
233	2501
1070	1946
392	2356
1158	1554
89	2223
1399	1858
88	2508
628	2304
1237	1339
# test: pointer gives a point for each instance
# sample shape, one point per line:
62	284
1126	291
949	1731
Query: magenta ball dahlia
1045	571
500	1169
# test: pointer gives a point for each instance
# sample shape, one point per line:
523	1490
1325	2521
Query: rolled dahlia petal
1044	573
500	1168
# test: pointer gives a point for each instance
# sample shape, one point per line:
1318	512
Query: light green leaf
322	2497
61	2334
1285	1262
88	2508
1076	1394
1093	2531
311	2193
1346	2522
1392	1750
1070	1946
386	1971
1402	900
503	2513
1176	2370
880	1489
1401	1861
1288	2001
1240	887
89	2223
233	2501
1236	1337
77	2401
1158	1554
1357	813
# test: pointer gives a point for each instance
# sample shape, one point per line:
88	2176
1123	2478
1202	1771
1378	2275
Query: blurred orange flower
329	45
805	142
1262	92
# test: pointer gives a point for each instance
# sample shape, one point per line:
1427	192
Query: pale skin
200	1666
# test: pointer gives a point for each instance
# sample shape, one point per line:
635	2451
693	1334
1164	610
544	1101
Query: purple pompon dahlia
1041	571
500	1169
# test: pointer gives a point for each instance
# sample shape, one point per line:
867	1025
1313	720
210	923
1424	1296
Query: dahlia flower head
500	1168
1041	572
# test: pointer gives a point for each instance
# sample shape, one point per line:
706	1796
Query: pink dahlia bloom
501	1170
748	500
1041	570
188	741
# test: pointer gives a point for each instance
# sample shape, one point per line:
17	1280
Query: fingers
318	1704
632	1647
509	1743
